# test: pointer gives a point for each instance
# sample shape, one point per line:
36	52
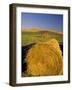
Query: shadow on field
24	53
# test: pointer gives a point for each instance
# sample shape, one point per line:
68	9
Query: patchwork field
29	37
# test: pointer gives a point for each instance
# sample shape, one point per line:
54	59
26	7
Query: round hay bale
44	59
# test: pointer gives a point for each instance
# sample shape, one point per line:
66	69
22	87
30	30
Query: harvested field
40	36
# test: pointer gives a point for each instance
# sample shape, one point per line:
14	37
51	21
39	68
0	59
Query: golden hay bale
44	59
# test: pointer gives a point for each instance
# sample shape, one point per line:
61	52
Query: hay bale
44	59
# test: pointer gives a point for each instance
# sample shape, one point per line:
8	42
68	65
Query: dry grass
44	59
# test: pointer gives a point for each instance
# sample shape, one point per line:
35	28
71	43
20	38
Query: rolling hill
35	35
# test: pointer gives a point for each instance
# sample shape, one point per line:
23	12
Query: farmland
29	37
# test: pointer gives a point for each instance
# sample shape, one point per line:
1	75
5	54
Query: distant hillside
32	30
35	35
53	31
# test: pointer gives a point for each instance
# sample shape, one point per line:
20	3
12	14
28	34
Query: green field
41	36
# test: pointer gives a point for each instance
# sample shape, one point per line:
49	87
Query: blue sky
44	21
